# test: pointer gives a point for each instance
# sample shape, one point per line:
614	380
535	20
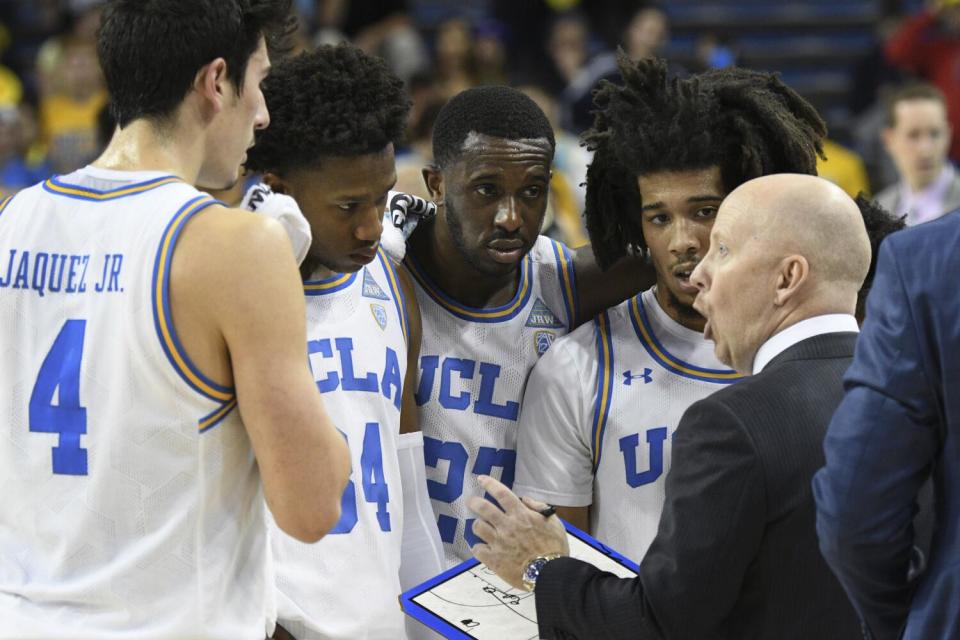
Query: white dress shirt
930	202
815	326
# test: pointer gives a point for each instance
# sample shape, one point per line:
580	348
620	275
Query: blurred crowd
53	115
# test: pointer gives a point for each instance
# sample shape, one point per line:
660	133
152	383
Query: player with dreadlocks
336	115
601	406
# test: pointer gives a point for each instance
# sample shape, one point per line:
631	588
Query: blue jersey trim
217	416
604	392
644	331
59	188
502	313
162	317
5	204
568	281
399	299
336	282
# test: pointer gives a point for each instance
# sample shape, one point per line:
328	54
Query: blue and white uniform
131	498
347	584
599	415
474	365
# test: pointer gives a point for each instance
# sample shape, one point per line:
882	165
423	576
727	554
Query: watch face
533	569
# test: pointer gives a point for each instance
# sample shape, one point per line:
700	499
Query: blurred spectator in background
417	153
31	25
22	163
455	64
11	88
70	103
646	34
873	78
844	168
928	44
582	61
490	53
381	28
564	217
917	136
579	65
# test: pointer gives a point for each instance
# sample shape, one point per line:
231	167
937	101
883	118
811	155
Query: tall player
601	407
137	316
337	115
494	293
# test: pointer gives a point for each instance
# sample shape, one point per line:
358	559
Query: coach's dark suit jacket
736	554
898	425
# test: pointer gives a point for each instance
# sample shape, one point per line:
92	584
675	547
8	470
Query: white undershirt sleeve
421	553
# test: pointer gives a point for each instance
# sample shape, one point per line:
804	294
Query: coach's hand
514	533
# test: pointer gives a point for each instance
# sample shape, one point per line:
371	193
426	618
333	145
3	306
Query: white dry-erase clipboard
469	602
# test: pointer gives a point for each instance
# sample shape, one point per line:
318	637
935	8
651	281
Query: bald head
783	248
809	216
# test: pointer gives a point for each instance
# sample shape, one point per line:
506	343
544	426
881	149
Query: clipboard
469	602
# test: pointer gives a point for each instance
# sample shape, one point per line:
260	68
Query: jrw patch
542	318
370	287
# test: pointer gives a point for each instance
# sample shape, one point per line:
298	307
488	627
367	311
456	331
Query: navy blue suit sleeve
879	450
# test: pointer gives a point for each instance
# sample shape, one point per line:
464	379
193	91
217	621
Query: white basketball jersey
474	365
131	498
600	413
346	586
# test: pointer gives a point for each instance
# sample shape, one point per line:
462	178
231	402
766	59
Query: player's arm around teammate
239	310
601	288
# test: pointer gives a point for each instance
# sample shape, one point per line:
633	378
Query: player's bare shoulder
220	245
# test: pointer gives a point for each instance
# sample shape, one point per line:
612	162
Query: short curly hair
880	223
748	123
334	101
497	111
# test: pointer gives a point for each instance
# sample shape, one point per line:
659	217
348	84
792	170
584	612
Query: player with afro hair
747	123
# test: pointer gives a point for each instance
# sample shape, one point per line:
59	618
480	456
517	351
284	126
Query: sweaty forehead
479	149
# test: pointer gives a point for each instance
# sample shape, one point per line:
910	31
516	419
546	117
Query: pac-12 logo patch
543	340
379	314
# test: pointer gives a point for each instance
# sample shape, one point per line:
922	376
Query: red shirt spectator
928	44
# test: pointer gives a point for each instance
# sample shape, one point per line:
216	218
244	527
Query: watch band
531	571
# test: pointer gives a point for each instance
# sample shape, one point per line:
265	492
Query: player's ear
211	83
276	183
433	178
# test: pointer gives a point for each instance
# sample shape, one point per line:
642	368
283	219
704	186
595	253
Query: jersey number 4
372	479
55	400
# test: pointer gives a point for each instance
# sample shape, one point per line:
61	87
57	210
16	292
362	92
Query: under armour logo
646	376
